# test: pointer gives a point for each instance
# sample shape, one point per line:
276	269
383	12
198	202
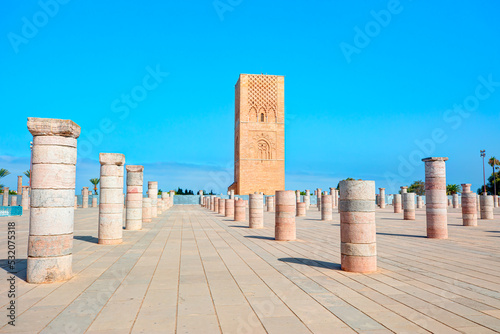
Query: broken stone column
25	198
357	226
455	201
469	213
231	194
301	209
409	206
94	202
19	185
382	197
85	197
239	210
111	199
133	214
326	207
270	203
229	204
404	190
153	194
420	202
307	199
486	206
53	174
146	210
318	199
396	202
5	199
435	194
256	211
222	206
284	220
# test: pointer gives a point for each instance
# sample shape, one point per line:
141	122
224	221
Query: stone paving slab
194	271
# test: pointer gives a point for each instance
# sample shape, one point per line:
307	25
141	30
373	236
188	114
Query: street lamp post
483	154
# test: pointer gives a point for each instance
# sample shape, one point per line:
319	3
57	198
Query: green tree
160	192
95	182
28	174
348	179
417	187
452	189
494	163
3	173
490	185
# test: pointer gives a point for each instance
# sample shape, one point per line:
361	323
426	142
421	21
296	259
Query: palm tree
494	162
28	174
452	189
3	173
95	182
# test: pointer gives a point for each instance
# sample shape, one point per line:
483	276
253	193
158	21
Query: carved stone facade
259	141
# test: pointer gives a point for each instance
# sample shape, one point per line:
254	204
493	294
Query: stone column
318	199
409	206
239	210
357	226
396	202
420	202
478	203
164	200
486	206
469	214
216	206
146	210
449	202
256	211
377	198
270	203
212	202
297	195
229	204
284	220
25	198
200	193
13	201
307	199
153	194
133	214
53	174
326	207
404	190
5	199
111	199
231	194
85	197
301	209
207	202
159	205
495	201
19	185
76	202
455	201
435	193
222	206
336	198
381	198
94	201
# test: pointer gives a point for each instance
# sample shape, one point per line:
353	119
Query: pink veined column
382	198
216	204
212	202
94	201
478	204
53	174
222	206
85	197
301	209
420	202
146	210
307	199
153	194
111	199
229	204
256	211
135	182
270	203
469	213
409	206
284	218
326	207
297	195
404	190
435	193
19	185
207	202
357	226
25	198
455	201
318	198
239	210
5	198
486	206
396	202
13	201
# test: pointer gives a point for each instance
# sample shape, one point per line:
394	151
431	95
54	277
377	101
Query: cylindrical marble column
318	198
239	210
396	202
404	190
216	206
270	203
13	201
449	202
85	197
284	220
133	220
212	202
420	202
486	206
222	206
229	204
231	194
357	226
455	201
76	202
53	174
153	194
19	185
478	204
200	193
94	202
111	199
25	198
409	206
326	207
495	201
435	194
256	211
382	198
5	198
301	209
146	210
469	213
307	199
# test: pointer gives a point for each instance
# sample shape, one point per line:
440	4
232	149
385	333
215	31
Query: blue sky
370	87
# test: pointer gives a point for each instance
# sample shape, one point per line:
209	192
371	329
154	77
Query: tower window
262	117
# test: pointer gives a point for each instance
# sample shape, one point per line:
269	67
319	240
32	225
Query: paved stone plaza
194	271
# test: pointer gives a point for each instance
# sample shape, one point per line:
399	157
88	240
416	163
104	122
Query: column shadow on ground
402	235
87	238
240	226
311	263
19	271
259	237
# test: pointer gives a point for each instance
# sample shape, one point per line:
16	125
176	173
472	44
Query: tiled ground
194	271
